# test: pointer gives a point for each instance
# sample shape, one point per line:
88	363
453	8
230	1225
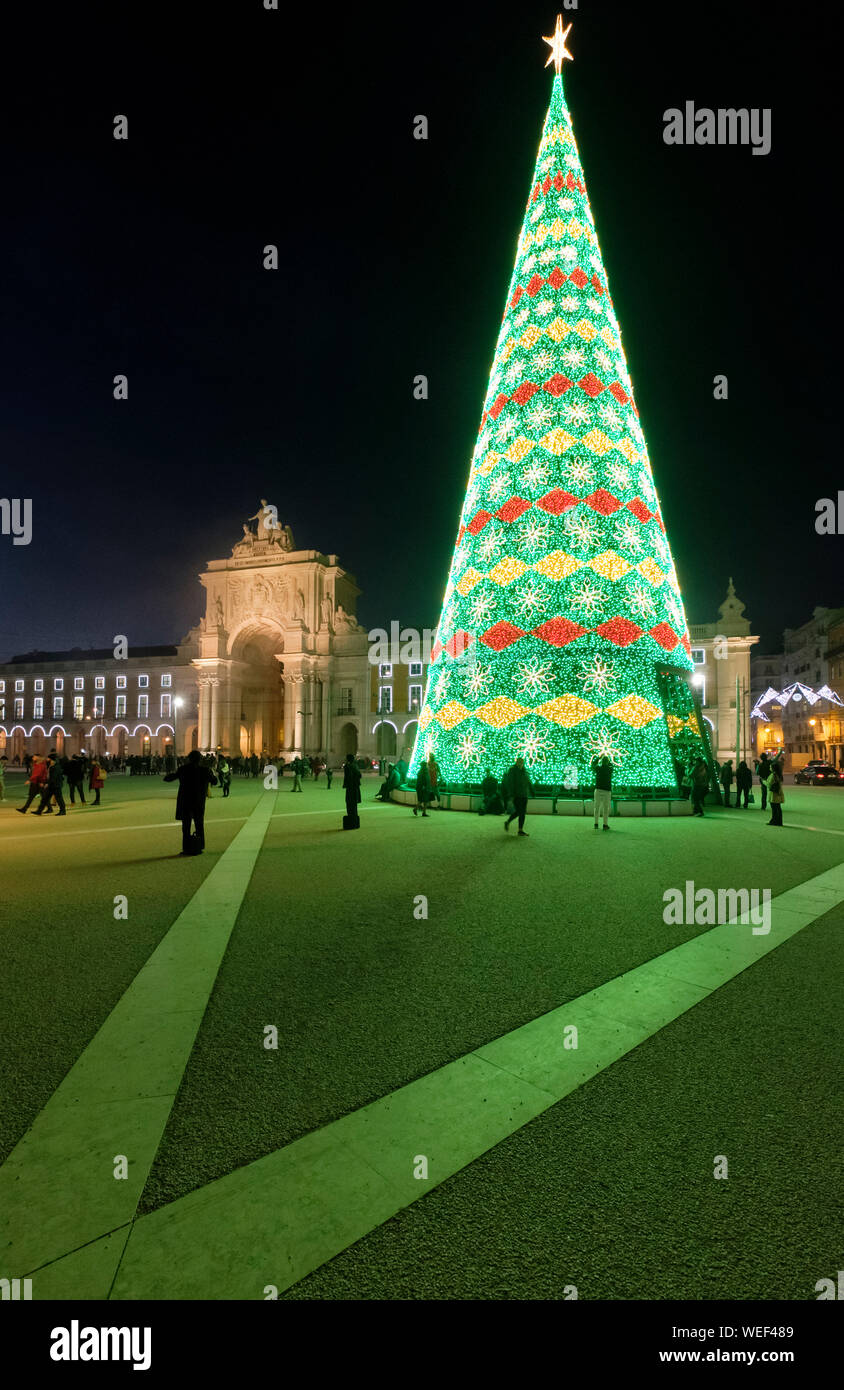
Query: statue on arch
267	519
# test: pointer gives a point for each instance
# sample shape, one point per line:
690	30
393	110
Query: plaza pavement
398	1037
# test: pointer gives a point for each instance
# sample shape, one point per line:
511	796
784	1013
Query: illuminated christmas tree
562	634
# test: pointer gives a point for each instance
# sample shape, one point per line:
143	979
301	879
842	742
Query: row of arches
121	740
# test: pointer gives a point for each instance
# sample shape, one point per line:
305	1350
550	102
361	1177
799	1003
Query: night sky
248	127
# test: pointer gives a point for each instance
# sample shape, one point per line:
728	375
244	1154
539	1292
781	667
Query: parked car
818	774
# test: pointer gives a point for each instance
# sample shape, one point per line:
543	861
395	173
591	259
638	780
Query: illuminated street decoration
562	588
795	692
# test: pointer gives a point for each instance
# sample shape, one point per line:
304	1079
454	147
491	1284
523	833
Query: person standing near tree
423	789
763	772
517	788
434	778
744	781
700	786
776	793
603	790
727	779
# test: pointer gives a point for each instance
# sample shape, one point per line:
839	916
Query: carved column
214	701
203	732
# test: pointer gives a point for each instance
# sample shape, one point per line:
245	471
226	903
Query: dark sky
248	127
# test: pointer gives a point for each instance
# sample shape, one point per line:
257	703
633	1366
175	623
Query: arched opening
348	739
385	739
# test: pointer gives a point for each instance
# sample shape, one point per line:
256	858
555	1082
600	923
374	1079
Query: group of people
694	781
47	776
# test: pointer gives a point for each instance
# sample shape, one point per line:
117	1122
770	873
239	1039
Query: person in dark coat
763	772
53	788
423	789
329	773
775	791
517	788
194	779
700	786
491	804
744	781
727	780
351	786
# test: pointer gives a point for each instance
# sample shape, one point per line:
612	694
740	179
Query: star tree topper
557	43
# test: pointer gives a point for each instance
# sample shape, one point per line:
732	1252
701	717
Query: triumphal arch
283	660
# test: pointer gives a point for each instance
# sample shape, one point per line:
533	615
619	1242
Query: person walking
727	780
329	773
434	778
53	787
744	781
351	786
763	772
97	779
297	775
602	801
194	779
516	787
423	789
76	778
224	775
37	780
776	793
700	786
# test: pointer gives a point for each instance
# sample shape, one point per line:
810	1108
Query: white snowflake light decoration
507	428
534	533
609	416
629	535
534	677
641	602
583	531
580	473
498	487
619	475
490	544
576	413
439	687
573	357
533	744
535	475
521	317
545	307
480	607
599	676
478	681
470	750
569	304
528	603
543	360
540	415
603	359
588	599
603	745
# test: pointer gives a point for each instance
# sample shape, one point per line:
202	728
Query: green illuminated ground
610	1189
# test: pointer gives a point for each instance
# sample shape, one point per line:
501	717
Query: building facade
721	653
100	701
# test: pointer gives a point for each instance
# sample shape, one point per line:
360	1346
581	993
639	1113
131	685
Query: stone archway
348	739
